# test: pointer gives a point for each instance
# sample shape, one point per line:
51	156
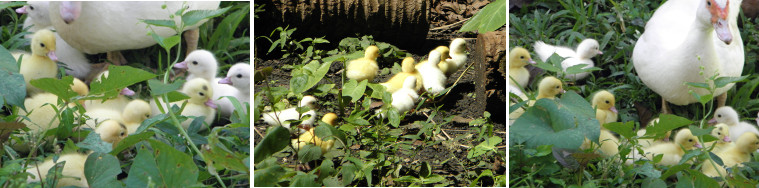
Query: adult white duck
586	50
109	26
681	37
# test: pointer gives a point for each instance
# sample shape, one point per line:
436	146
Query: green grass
616	25
160	150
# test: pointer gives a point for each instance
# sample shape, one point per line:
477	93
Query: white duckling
280	117
518	74
39	18
604	102
116	104
548	88
364	68
309	137
457	57
236	84
586	50
433	79
200	64
722	132
81	24
739	153
41	64
199	103
405	98
73	170
111	131
673	152
407	69
135	112
729	116
684	38
444	54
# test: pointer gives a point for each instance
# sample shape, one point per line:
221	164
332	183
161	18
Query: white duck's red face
719	10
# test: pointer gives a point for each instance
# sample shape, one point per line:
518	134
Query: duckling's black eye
607	102
239	75
123	133
557	87
147	115
42	45
194	62
31	7
521	57
201	94
719	133
708	3
719	115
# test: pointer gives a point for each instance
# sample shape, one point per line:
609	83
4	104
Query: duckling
38	17
236	84
518	59
739	153
444	54
41	64
729	116
111	131
73	169
309	137
673	152
199	104
405	98
116	104
279	117
200	64
604	102
608	143
548	88
330	118
722	133
364	68
41	109
433	79
586	50
135	112
457	57
407	69
649	142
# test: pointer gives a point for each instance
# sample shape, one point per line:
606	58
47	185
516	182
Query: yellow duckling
364	68
134	114
548	88
199	104
309	137
722	132
41	64
73	169
111	131
604	102
40	109
673	152
739	153
457	57
444	54
407	69
649	142
518	59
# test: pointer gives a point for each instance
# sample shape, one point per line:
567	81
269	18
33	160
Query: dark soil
447	158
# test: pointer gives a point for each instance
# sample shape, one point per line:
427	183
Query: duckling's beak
181	65
600	52
21	10
698	145
726	139
713	120
614	109
226	80
52	56
210	103
126	91
531	61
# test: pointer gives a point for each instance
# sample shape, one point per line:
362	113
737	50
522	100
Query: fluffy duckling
407	69
608	143
111	131
548	88
41	64
200	64
39	18
444	54
364	68
116	104
40	109
309	137
729	116
433	79
518	59
673	152
604	102
739	153
134	114
236	84
722	133
73	169
199	103
457	57
587	49
649	142
279	117
405	98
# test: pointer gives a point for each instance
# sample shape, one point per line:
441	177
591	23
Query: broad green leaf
549	66
12	88
394	117
276	139
304	180
667	122
94	143
717	160
325	170
316	72
701	180
7	61
673	170
332	181
159	88
161	23
648	170
490	18
175	96
484	147
348	173
684	181
425	170
432	179
698	85
624	129
700	132
564	124
377	90
354	90
59	87
580	69
723	81
118	78
298	83
144	170
309	152
268	177
194	16
174	168
653	183
101	170
222	156
130	141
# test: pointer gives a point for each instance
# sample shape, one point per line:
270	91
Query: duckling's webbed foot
191	37
721	99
